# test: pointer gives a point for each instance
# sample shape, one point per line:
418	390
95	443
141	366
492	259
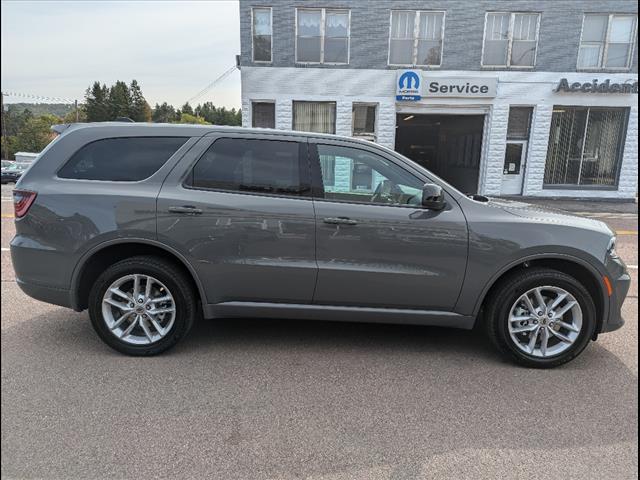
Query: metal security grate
585	146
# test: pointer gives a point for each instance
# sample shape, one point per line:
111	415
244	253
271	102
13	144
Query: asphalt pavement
276	399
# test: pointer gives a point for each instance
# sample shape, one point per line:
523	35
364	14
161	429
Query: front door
376	245
513	171
239	209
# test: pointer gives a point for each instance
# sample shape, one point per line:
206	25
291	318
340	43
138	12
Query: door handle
188	209
339	221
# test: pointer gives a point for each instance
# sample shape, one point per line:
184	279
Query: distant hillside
58	109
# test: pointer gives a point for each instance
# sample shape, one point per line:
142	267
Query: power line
206	89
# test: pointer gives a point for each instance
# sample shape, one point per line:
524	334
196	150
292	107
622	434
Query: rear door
239	208
376	245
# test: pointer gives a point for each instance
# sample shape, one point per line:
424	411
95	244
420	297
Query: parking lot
270	399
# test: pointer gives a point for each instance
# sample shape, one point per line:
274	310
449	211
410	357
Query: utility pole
5	151
77	112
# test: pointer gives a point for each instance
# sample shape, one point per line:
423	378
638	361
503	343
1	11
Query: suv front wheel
542	318
142	305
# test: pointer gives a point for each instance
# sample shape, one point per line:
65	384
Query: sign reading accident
412	85
596	87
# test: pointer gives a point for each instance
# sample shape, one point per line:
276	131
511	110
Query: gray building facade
558	76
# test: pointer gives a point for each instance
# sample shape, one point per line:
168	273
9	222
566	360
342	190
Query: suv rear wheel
142	305
542	318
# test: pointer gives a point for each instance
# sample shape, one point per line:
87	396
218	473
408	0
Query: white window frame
512	16
253	49
605	50
416	32
323	17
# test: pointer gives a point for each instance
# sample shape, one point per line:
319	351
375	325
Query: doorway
448	145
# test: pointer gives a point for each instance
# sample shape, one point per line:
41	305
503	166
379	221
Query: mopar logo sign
408	85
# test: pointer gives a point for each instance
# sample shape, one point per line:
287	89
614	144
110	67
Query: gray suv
152	226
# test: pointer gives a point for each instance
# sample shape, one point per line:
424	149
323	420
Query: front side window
318	117
416	38
261	34
121	159
322	36
585	146
510	39
607	41
353	175
248	165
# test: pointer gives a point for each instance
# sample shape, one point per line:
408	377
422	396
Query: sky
174	49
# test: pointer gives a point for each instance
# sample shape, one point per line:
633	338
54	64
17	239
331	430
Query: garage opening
448	145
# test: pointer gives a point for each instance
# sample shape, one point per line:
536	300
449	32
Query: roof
27	154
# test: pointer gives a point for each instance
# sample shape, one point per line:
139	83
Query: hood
548	215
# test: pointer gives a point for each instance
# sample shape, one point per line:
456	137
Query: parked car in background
12	173
151	226
7	163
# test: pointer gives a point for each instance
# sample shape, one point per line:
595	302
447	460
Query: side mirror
433	197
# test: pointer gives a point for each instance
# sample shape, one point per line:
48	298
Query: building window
263	115
416	38
261	34
319	117
585	146
519	123
364	121
607	42
322	36
510	40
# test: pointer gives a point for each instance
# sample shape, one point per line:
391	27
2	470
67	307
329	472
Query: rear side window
121	159
250	165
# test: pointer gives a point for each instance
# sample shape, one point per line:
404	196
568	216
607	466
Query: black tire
176	282
506	293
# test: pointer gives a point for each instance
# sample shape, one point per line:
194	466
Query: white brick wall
345	86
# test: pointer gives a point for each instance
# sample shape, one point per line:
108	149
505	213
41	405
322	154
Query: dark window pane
262	48
267	166
263	115
519	123
513	158
336	50
121	159
364	119
308	49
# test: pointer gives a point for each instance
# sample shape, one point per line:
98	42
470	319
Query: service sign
408	85
460	87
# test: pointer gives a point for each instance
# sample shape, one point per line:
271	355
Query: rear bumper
56	296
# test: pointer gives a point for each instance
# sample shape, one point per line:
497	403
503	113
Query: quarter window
416	38
607	41
261	34
251	165
585	146
510	39
353	175
322	36
121	159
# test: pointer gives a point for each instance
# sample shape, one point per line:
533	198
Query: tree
36	133
71	116
119	101
15	118
164	113
186	108
96	103
140	110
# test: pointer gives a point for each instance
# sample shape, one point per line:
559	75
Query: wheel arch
578	268
105	254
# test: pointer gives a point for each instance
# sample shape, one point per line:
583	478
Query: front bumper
621	282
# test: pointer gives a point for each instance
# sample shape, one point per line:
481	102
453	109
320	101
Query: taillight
22	201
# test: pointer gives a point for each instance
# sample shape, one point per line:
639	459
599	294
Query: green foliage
96	103
119	101
139	110
37	109
164	113
187	118
186	108
218	116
